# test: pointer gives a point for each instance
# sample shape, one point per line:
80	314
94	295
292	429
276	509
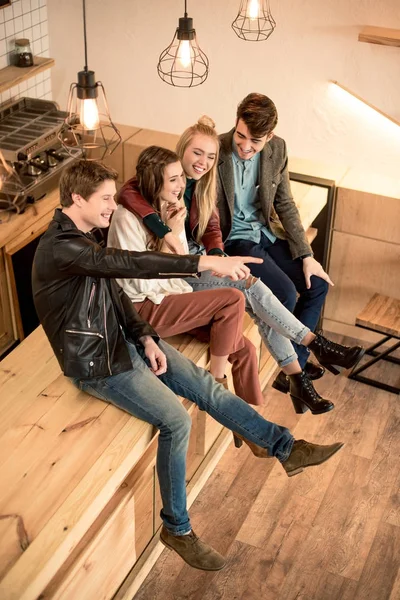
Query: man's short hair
259	114
83	177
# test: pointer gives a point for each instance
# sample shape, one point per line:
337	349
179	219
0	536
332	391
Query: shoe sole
187	562
301	469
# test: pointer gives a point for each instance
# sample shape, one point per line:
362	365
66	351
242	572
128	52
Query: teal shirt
248	220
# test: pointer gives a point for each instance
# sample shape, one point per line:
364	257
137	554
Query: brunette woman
170	305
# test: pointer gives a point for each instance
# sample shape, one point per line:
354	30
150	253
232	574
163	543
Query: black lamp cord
185	9
84	35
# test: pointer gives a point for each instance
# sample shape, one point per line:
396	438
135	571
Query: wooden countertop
28	224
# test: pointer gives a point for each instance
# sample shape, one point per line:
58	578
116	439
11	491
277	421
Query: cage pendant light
183	63
254	21
88	124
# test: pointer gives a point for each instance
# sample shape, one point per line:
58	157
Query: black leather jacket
84	313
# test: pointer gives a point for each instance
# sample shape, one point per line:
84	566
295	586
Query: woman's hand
175	219
173	244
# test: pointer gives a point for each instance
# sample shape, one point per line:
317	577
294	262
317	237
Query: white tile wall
25	18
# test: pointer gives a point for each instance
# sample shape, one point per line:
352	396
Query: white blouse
128	233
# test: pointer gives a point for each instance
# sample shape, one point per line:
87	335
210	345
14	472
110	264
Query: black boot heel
304	395
299	406
237	441
332	369
332	355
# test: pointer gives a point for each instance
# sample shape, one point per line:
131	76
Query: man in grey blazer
259	217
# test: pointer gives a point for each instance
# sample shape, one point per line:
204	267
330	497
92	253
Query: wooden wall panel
360	267
368	215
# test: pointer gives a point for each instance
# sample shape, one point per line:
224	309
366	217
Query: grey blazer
276	199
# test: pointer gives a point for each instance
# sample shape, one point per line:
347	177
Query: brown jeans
214	316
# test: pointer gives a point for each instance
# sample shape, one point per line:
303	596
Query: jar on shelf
23	53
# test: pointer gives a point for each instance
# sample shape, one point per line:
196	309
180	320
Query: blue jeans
285	277
276	324
153	399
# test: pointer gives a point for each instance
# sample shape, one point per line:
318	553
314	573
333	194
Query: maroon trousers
215	316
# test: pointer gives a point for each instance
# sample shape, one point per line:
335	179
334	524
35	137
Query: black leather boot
305	397
281	382
332	355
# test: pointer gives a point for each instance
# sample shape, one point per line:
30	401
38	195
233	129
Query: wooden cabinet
7	335
365	253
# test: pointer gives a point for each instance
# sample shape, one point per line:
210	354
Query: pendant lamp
183	63
88	125
254	21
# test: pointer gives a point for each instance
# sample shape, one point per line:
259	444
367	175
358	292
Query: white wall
25	19
315	41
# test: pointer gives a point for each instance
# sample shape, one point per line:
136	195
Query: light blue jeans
153	399
276	324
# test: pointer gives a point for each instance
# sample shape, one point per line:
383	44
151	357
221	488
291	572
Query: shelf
380	35
11	76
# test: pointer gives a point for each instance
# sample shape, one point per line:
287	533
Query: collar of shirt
240	161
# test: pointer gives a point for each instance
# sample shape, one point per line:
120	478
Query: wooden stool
382	315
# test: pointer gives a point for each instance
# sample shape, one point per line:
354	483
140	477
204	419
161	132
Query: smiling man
259	217
109	351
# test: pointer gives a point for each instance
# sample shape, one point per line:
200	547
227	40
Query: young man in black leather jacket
106	349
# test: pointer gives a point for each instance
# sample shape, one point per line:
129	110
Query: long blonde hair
206	187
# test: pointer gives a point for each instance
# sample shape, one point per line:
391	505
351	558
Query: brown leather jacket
130	197
85	314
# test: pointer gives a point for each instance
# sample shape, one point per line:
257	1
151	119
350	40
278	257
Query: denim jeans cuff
179	533
287	361
283	456
300	336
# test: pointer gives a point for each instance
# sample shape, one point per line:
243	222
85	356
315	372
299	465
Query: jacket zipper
96	334
106	332
179	274
92	292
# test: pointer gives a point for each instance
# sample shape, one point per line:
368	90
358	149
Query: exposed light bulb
89	114
253	10
184	54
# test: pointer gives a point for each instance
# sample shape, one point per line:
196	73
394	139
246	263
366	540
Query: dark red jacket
130	197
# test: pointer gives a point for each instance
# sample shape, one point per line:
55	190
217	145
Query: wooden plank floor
331	533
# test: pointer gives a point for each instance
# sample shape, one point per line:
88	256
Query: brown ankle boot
258	451
194	552
305	454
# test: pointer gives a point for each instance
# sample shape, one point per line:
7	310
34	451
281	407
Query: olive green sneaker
305	454
196	553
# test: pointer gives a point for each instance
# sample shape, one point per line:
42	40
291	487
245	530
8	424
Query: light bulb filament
89	114
253	10
184	53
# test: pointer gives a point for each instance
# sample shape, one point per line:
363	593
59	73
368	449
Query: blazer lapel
266	177
225	170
